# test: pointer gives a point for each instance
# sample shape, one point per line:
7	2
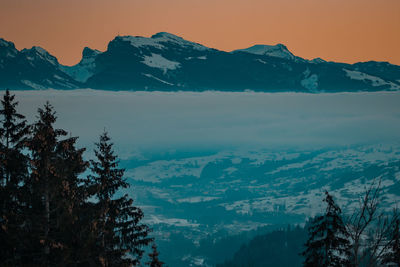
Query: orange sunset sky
339	30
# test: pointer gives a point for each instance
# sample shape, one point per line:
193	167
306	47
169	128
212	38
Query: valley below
211	170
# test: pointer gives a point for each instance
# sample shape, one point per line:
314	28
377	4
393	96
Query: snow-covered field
210	164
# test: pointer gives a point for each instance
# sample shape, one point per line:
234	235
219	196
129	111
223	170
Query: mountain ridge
168	62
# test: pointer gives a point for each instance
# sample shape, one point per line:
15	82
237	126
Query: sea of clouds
185	120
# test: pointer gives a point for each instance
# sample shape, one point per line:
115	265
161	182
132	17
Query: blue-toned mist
213	169
156	120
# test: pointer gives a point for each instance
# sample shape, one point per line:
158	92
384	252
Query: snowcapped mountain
31	68
278	50
85	68
167	62
38	54
161	40
7	50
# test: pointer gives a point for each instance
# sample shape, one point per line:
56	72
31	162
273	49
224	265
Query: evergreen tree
72	224
55	194
154	261
327	244
121	236
13	172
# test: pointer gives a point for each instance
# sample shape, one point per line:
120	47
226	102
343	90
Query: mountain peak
7	48
317	60
40	50
163	37
5	43
89	53
166	35
278	50
36	50
159	41
39	53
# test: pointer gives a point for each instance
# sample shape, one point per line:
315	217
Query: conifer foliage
154	261
120	232
54	187
328	243
51	215
13	172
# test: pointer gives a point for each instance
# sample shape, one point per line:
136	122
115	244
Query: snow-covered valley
204	166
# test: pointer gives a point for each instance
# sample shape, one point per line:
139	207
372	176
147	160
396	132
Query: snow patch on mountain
78	72
317	60
10	54
5	43
37	53
202	58
7	49
170	221
39	50
34	85
261	61
310	81
138	41
278	50
58	77
161	40
82	71
160	62
196	199
157	79
375	81
165	37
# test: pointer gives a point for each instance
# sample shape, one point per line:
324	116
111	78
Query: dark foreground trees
13	172
328	243
55	195
154	261
118	228
392	256
372	230
369	236
51	215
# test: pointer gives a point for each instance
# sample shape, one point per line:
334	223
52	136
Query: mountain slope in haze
168	62
279	248
195	200
31	68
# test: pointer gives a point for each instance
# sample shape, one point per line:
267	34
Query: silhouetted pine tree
327	244
392	258
72	225
55	194
13	172
154	261
121	236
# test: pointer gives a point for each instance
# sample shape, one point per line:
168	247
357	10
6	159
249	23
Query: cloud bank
185	120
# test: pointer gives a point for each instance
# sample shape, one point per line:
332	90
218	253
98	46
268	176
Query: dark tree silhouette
154	261
13	172
392	256
49	214
370	228
328	243
55	193
121	235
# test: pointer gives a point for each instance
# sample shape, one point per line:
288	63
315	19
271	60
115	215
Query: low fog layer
159	120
